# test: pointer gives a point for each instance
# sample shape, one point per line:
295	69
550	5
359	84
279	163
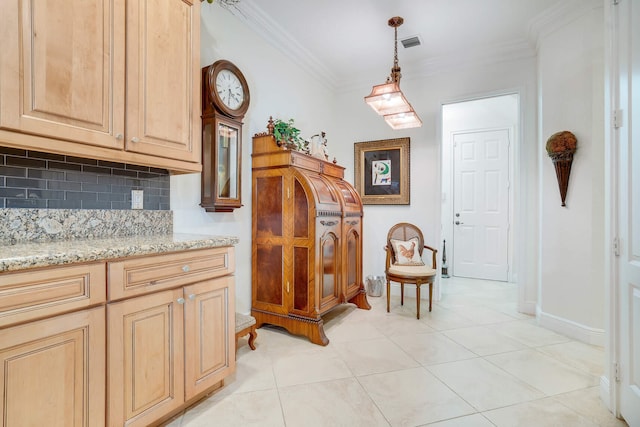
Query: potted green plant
288	135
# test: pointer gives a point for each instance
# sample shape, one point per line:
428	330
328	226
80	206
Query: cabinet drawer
139	276
30	295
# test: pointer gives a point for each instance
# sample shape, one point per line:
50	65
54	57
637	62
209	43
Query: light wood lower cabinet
167	348
70	357
53	371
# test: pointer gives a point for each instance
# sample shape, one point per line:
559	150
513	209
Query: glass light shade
404	120
387	99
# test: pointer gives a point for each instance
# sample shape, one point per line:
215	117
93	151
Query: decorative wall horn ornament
560	147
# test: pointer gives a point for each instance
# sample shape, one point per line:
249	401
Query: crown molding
273	33
562	13
559	16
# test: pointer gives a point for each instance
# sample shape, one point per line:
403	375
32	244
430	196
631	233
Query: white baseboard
571	329
527	307
605	391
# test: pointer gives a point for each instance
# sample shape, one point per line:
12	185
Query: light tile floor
473	361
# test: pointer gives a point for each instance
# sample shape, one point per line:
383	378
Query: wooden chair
406	266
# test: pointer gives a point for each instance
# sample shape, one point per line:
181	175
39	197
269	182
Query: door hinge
616	372
616	246
617	119
288	193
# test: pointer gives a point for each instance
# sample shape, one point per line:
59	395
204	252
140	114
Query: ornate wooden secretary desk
307	239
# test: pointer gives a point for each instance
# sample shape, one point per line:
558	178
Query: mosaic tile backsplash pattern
30	179
47	225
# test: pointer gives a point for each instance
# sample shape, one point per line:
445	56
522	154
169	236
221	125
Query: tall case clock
225	100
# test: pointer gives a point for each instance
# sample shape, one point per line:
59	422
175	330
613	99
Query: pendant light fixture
387	99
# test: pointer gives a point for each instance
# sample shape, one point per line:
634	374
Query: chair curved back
404	231
412	274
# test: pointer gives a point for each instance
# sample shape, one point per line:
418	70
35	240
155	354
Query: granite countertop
42	254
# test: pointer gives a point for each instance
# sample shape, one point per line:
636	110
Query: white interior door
481	204
629	212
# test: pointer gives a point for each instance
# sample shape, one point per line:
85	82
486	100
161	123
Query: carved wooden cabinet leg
360	300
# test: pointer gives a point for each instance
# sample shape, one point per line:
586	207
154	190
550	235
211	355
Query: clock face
230	89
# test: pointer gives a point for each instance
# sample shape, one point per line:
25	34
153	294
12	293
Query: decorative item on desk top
560	147
288	135
319	146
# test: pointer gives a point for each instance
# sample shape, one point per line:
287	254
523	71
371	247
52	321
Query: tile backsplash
30	179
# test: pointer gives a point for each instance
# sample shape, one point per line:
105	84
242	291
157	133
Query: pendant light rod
395	22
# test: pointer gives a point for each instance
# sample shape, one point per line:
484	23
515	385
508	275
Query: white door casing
481	204
627	139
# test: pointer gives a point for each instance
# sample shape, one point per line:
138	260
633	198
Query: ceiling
342	42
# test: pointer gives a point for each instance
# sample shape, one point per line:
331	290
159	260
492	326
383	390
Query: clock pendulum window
225	100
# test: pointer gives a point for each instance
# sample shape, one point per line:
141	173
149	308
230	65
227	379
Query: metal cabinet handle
192	297
119	136
458	222
180	300
135	139
186	268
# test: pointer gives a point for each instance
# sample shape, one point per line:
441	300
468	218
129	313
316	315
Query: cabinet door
352	256
53	371
163	78
209	334
61	69
146	362
328	252
271	266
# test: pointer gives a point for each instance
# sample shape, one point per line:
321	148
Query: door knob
458	223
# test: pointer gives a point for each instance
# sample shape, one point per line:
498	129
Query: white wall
278	88
572	245
427	94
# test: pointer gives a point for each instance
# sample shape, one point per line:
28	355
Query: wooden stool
246	324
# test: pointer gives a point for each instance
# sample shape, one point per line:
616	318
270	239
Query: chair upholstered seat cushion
412	270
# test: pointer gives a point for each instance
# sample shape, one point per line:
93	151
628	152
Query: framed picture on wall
382	171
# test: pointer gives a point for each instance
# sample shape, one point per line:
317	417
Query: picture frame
382	171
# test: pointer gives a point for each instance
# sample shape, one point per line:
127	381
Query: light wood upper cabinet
65	88
163	110
62	69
